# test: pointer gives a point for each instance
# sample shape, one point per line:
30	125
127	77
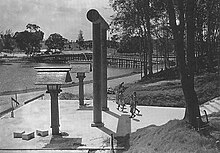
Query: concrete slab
76	123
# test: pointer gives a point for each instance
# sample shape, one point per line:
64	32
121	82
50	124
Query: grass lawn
169	92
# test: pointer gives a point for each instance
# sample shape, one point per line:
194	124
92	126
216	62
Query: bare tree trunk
150	45
208	42
145	57
186	73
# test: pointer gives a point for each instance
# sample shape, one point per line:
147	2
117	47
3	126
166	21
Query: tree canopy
29	39
80	40
149	20
55	41
7	40
137	18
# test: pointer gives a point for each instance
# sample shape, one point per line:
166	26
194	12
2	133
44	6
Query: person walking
117	99
120	96
132	107
135	102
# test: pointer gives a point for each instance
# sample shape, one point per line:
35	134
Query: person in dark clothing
135	102
132	107
120	96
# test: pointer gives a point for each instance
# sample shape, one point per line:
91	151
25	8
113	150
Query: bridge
112	61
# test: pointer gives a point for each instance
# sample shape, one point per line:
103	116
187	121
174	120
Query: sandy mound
174	137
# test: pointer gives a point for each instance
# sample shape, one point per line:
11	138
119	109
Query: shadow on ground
60	142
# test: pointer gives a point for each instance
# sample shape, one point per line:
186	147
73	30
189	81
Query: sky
65	17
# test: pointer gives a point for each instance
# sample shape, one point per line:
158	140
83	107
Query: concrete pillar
81	77
104	69
54	112
97	105
98	23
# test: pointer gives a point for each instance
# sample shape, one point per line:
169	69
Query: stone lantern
53	77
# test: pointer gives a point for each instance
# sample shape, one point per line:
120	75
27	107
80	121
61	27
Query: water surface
21	76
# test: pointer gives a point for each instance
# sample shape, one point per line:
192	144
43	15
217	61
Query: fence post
12	111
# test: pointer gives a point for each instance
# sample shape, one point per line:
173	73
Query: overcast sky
65	17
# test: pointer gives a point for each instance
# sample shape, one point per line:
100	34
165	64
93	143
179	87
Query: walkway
5	101
76	125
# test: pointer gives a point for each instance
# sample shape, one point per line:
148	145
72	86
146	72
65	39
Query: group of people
121	102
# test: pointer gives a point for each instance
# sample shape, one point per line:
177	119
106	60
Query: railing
12	106
63	58
124	62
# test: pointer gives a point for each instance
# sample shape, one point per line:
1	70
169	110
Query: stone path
76	123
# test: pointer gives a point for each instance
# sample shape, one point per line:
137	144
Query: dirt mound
174	137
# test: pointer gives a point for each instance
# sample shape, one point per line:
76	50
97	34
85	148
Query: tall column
81	77
104	69
54	112
97	106
98	23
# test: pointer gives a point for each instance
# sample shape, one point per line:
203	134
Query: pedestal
54	112
81	76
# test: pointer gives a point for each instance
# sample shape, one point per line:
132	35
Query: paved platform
75	124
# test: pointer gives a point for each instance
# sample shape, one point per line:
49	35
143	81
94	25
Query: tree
134	18
185	54
32	27
113	43
193	26
55	41
1	45
80	40
207	32
8	41
130	45
29	40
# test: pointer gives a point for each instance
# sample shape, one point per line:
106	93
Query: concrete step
43	151
77	150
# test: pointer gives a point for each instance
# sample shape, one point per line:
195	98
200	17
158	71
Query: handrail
17	103
33	98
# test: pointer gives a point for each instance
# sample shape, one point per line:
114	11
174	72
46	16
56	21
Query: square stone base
18	134
41	133
28	136
97	124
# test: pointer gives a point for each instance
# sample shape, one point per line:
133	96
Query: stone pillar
97	105
54	112
104	69
81	76
98	23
